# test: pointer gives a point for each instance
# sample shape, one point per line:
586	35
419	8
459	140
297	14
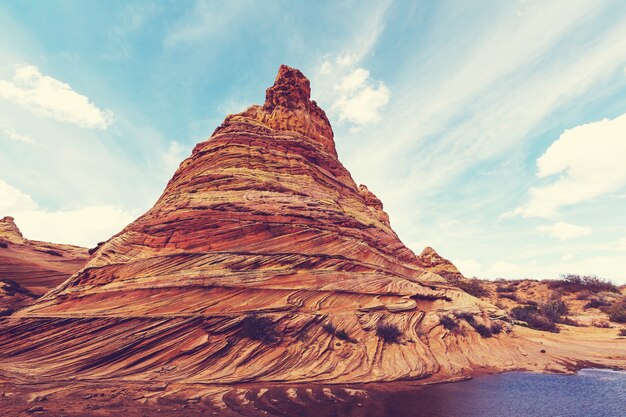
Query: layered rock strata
261	261
34	265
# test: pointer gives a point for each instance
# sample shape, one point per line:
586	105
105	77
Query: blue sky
493	131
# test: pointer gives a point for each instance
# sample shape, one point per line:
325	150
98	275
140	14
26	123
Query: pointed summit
288	109
291	89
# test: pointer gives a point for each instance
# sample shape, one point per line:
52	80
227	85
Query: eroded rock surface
437	264
261	261
34	265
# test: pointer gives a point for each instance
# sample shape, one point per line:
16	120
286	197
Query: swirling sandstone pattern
261	219
37	266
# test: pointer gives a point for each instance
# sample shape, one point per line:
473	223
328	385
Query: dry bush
602	324
575	283
390	333
617	312
472	287
259	328
448	323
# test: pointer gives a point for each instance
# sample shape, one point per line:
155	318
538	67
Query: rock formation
36	266
435	263
261	261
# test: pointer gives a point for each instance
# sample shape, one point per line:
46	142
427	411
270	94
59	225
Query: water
590	393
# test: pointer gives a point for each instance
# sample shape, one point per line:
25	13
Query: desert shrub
497	327
259	328
390	333
534	318
507	288
554	308
330	328
569	321
482	330
617	312
574	283
343	335
597	302
465	315
509	295
448	323
622	331
584	295
473	287
339	334
602	324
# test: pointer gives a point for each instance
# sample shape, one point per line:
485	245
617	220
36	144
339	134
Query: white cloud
353	95
13	200
17	137
468	267
45	96
325	68
589	160
83	226
564	231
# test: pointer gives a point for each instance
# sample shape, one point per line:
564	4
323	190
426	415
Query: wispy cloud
17	137
564	231
204	20
45	96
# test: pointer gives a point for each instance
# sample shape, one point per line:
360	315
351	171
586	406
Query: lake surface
590	393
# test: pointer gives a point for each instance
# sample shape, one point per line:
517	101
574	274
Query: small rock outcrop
36	266
439	265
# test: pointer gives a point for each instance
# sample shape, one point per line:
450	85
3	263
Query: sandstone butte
263	261
29	268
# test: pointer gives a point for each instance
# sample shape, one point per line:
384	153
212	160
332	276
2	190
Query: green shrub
390	333
622	331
